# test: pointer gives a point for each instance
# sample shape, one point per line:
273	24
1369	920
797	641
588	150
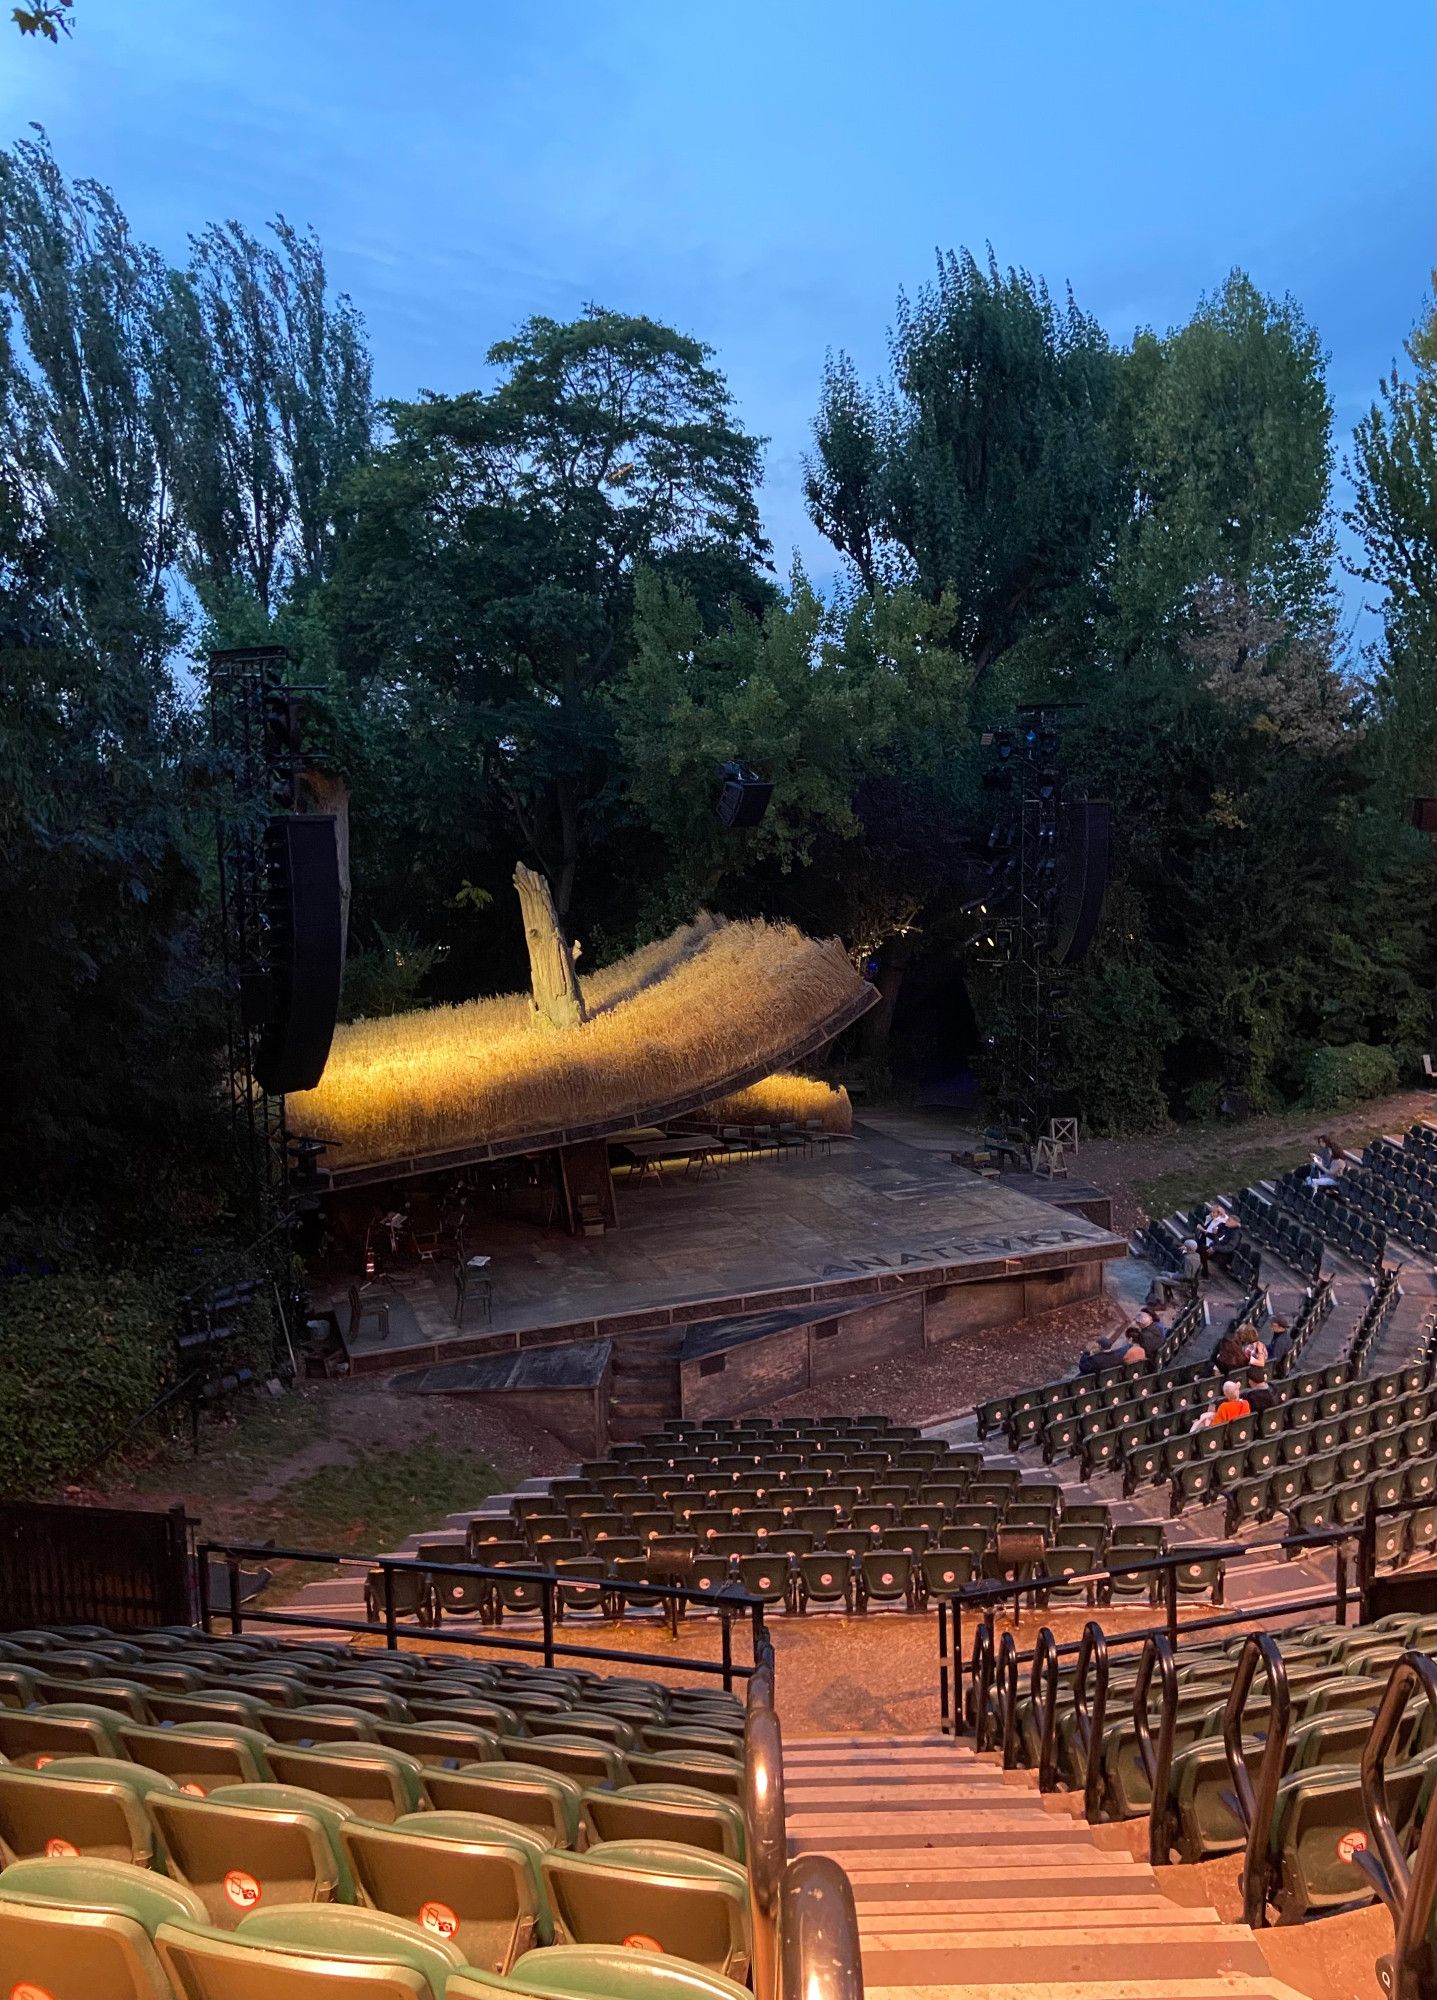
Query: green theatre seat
93	1806
540	1800
462	1876
691	1904
681	1814
248	1846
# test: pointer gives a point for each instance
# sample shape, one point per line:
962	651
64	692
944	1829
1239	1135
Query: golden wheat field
784	1099
707	1004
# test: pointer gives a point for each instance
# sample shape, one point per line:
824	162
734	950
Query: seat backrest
215	1965
465	1883
199	1756
84	1884
237	1855
692	1905
57	1816
683	1814
47	1948
542	1801
373	1780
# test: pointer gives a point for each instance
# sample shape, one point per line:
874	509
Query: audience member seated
1233	1405
1260	1393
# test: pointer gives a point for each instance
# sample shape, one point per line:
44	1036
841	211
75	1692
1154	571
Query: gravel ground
930	1387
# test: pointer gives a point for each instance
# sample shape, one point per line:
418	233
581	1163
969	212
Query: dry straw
715	1000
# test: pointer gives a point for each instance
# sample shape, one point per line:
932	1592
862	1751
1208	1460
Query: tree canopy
539	614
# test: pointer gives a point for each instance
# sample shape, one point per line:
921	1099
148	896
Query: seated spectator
1254	1352
1233	1405
1160	1294
1260	1393
1117	1345
1280	1342
1149	1332
1193	1266
1231	1351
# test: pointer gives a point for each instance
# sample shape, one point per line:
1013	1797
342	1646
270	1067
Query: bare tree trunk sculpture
555	983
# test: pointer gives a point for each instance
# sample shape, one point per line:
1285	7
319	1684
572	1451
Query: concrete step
849	1836
1172	1952
984	1916
1232	1986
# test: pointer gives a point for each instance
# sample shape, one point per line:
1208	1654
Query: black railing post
202	1581
1256	1803
1170	1601
1340	1567
1044	1690
236	1618
726	1645
960	1714
1091	1723
1157	1763
1407	1887
391	1632
942	1667
546	1613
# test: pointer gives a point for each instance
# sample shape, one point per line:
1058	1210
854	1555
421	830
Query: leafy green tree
497	539
986	469
1394	474
278	412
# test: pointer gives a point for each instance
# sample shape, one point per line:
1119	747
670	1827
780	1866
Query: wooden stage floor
876	1214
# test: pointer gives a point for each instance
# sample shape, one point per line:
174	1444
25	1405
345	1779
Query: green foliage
987	469
49	19
388	979
81	1356
496	541
1118	1029
1337	1078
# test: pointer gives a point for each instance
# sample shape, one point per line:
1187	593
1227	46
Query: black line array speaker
304	949
1084	851
743	798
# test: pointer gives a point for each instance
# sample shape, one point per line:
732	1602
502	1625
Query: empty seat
370	1778
682	1814
530	1796
72	1928
461	1876
92	1806
293	1953
248	1846
690	1904
199	1755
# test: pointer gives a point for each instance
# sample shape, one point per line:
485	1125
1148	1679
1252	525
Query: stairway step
1233	1986
953	1911
891	1879
921	1927
1039	1955
910	1795
849	1838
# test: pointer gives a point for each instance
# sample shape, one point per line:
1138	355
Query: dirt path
1157	1173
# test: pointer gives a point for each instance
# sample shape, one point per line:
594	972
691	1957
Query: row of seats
1271	1224
799	1513
1336	1219
616	1813
1336	1676
1012	1415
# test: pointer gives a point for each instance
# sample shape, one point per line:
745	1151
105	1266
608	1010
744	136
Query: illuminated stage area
710	1011
927	1250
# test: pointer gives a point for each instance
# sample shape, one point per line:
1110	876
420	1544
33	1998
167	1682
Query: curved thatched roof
704	1012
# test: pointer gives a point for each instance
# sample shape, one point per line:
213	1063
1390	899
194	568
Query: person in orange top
1233	1404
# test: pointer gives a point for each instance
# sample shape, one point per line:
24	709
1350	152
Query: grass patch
368	1506
1217	1162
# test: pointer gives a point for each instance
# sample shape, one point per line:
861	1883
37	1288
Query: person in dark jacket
1260	1393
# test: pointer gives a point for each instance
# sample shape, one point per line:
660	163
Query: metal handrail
765	1831
728	1603
819	1946
1157	1763
1089	1725
1043	1691
1409	1891
1256	1803
980	1686
1006	1692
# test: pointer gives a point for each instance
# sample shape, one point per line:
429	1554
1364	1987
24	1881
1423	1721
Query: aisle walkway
970	1886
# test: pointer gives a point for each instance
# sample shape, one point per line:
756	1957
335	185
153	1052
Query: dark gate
110	1566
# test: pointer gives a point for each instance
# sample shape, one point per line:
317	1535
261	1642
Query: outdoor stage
882	1240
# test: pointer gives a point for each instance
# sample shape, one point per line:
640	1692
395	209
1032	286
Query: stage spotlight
743	797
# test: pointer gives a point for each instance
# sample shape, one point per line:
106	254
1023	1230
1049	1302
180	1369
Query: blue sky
768	176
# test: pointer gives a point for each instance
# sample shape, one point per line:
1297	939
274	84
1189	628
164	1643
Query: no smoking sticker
60	1850
439	1918
1350	1845
25	1991
242	1890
